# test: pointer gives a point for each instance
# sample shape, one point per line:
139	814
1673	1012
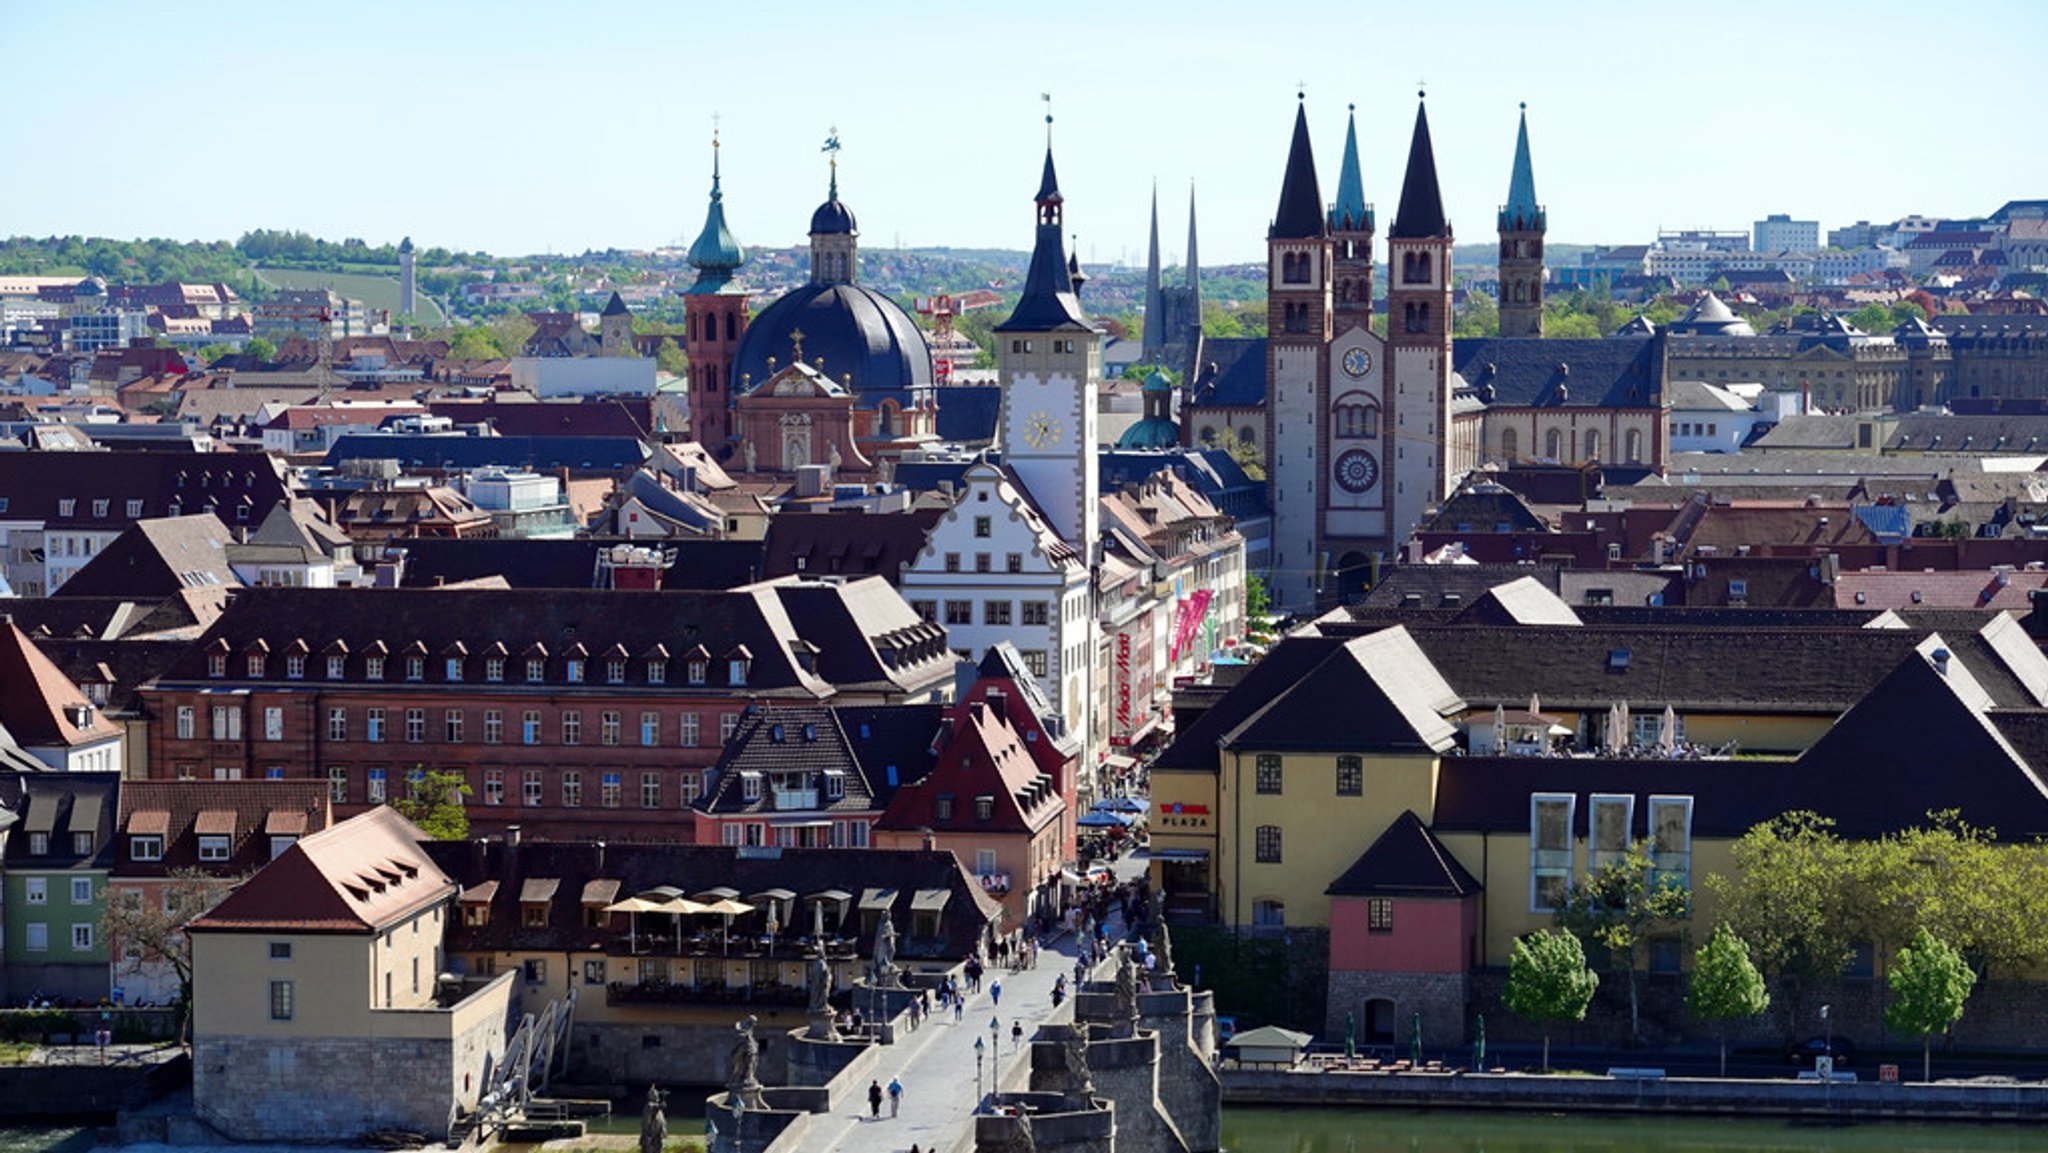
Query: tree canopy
1725	985
1617	909
433	801
1929	982
1548	982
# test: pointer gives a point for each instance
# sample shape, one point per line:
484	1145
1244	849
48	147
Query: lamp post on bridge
977	1074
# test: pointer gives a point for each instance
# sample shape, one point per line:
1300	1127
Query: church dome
1711	317
855	330
1157	430
833	217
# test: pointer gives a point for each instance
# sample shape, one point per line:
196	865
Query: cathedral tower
1522	224
715	317
835	238
1351	229
1419	336
1298	262
408	279
1049	362
1154	345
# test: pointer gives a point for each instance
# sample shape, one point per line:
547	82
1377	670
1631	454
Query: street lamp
977	1074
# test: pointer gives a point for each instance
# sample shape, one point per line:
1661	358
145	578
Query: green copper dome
717	253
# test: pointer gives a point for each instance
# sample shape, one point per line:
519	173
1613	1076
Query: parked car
1803	1053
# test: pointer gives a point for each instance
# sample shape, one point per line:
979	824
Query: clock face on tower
1357	362
1357	471
1041	429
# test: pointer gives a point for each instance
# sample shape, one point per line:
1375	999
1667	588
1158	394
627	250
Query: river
1249	1130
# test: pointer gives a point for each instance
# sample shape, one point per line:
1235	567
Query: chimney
931	841
1940	661
511	836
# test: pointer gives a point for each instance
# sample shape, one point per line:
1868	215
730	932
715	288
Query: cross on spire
796	344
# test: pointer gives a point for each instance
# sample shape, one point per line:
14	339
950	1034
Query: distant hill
373	290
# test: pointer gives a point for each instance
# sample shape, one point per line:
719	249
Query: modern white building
1778	232
1720	417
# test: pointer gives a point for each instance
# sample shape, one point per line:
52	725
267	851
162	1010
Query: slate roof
166	483
1485	507
1609	372
571	564
862	745
694	868
603	417
1422	205
968	413
1405	861
846	543
1300	212
255	811
358	877
1194	746
587	454
1393	701
1232	373
158	558
1048	302
60	805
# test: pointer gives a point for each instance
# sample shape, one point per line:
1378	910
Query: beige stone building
318	1013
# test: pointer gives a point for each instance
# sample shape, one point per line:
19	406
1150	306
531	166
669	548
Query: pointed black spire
1422	206
1048	303
1300	215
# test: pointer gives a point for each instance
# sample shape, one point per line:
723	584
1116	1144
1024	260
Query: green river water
1247	1130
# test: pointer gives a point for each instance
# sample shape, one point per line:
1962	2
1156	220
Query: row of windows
81	844
455	669
757	834
961	612
985	562
611	726
68	506
608	787
1267	777
36	890
36	937
1555	446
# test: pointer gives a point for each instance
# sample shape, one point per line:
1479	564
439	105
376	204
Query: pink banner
1188	620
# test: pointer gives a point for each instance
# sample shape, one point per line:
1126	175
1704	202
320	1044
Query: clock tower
1049	362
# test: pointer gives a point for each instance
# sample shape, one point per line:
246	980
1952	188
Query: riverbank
1974	1101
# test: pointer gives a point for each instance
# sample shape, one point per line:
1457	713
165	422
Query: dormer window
146	848
657	672
373	668
699	670
750	785
256	665
415	668
213	848
295	667
336	667
454	668
615	671
536	669
835	784
942	808
217	664
494	669
737	662
984	807
572	670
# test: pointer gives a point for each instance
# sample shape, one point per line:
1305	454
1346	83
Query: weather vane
831	139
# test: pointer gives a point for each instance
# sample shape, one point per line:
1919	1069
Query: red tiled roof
38	704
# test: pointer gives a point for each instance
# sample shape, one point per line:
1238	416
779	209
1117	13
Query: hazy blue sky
523	127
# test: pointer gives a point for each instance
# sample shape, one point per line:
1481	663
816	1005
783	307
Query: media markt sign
1183	817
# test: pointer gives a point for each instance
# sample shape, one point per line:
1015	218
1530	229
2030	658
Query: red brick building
570	713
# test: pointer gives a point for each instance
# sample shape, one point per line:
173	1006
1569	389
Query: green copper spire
717	253
1521	212
1350	213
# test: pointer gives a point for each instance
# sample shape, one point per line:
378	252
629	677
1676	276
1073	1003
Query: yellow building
318	1008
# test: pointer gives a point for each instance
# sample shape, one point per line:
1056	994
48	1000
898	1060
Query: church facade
1365	433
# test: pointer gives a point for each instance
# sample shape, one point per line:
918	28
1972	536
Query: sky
520	127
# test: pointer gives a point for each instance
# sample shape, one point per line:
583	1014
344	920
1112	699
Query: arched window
1247	436
1553	445
1357	421
885	419
1510	443
1415	267
1592	444
1208	434
732	330
1633	446
1521	293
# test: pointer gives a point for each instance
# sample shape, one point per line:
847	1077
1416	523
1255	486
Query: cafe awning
929	900
1180	856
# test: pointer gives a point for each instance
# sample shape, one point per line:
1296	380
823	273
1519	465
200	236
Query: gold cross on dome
796	343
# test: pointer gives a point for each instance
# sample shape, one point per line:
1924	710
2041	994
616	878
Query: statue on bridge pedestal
885	975
823	1027
742	1080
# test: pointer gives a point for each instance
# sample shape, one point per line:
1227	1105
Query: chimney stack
1941	661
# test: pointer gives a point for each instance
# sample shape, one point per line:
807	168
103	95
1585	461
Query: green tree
433	801
213	352
1548	982
260	348
1480	316
669	358
1257	602
1929	982
1725	985
1793	898
1572	326
153	928
1873	318
1617	910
